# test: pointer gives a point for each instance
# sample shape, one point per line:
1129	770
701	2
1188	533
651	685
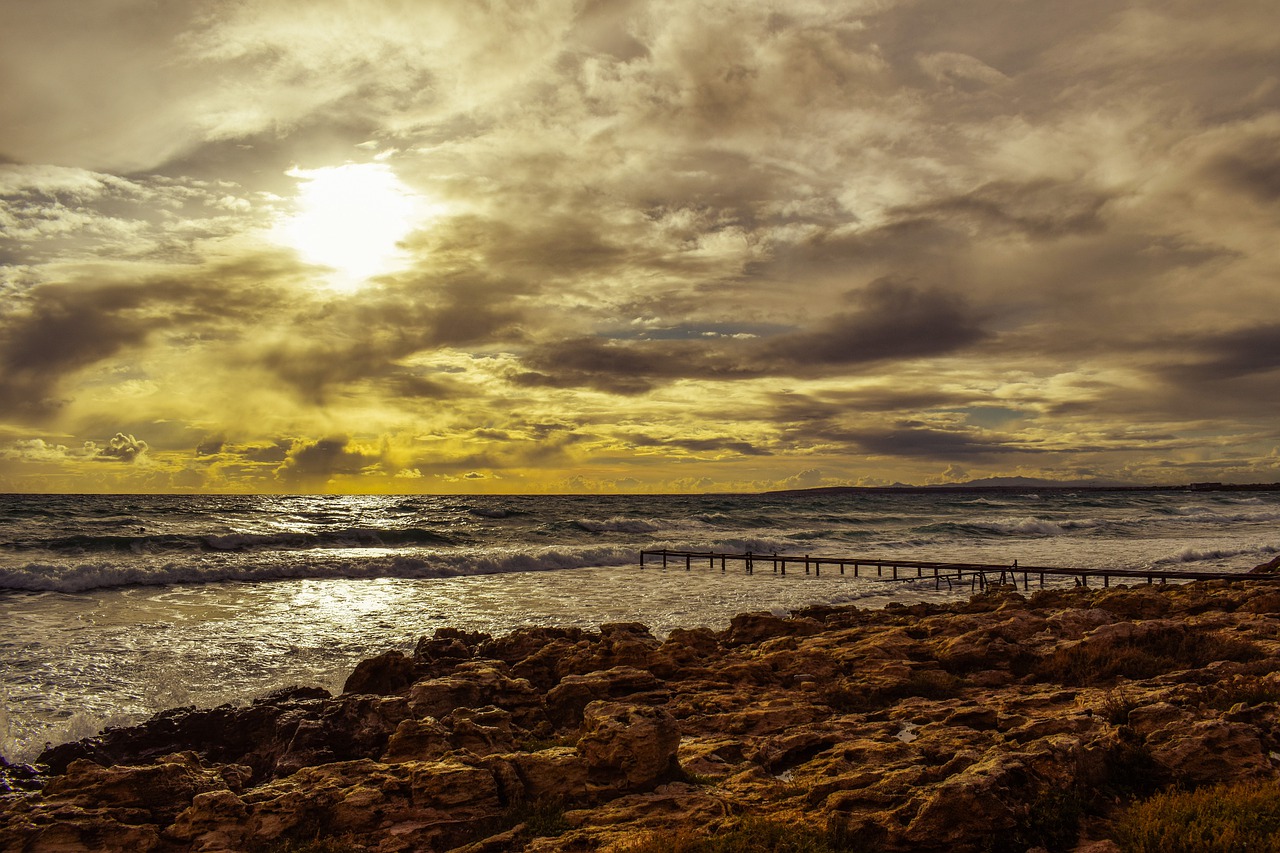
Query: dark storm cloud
210	446
804	408
1041	209
54	331
59	330
1240	353
364	338
850	227
918	441
317	461
1253	168
623	368
699	445
892	320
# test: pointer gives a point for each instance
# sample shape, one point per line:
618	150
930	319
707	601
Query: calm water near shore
114	607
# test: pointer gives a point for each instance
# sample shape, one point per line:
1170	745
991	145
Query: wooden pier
976	575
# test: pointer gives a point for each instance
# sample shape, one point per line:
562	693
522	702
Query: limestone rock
566	701
274	735
385	674
417	740
1210	751
474	685
213	821
916	728
626	746
161	790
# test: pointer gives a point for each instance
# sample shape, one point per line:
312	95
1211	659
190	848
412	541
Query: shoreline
909	727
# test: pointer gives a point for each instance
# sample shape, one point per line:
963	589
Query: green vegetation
1166	649
316	845
1052	821
751	835
1238	818
539	818
1117	705
1240	689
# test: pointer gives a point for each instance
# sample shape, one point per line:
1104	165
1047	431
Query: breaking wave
146	543
619	524
1026	526
105	573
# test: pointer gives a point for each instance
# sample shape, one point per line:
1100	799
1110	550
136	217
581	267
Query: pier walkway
975	575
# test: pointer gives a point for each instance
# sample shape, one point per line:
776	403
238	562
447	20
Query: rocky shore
1009	722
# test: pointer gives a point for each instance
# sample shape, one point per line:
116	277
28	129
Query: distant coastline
1015	484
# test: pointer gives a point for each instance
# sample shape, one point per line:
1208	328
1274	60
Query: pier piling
954	573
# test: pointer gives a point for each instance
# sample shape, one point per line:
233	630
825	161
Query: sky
476	246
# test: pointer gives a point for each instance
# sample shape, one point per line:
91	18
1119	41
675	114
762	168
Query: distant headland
1006	484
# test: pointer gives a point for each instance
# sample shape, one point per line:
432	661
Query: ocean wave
1248	510
103	574
146	543
1026	526
619	524
1200	555
494	512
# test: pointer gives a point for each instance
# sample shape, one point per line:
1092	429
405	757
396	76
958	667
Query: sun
351	219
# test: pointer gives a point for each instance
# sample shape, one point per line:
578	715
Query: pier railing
976	575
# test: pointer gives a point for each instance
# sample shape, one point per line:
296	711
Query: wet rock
558	775
386	674
439	654
274	735
161	790
214	821
18	777
1269	567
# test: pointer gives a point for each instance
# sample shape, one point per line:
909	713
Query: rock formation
1007	722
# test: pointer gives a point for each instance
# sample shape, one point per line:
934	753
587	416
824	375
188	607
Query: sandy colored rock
628	746
922	727
388	673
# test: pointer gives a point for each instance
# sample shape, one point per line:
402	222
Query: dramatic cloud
121	448
314	463
892	320
635	245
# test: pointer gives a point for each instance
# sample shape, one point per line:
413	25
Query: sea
115	607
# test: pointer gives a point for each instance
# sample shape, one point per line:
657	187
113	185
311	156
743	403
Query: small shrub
315	845
1144	656
542	819
1131	771
1116	707
1052	821
752	835
1239	689
1238	818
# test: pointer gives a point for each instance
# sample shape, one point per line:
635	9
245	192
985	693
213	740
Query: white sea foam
118	607
108	573
619	525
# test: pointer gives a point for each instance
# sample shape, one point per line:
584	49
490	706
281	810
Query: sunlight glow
351	219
